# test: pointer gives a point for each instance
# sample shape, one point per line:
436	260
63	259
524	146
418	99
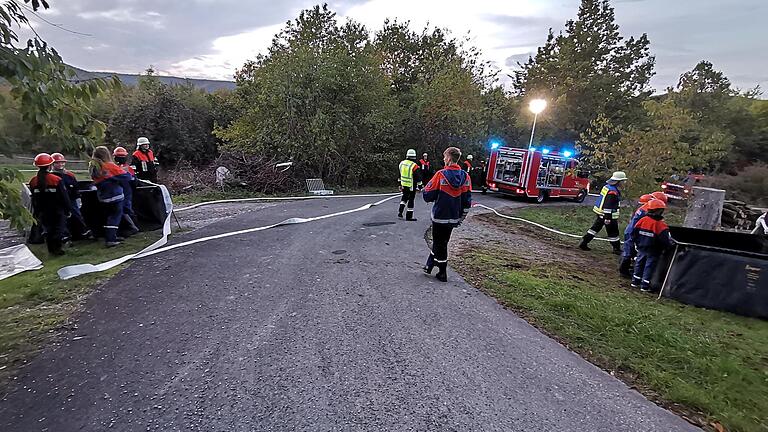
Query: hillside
132	79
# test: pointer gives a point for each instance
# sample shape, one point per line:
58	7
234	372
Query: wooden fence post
705	208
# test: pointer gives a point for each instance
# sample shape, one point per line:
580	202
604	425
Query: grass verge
34	304
710	366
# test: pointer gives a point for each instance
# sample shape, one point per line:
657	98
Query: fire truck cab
537	174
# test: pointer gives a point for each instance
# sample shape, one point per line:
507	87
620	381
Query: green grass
33	304
690	359
577	219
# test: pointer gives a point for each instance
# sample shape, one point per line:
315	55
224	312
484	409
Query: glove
607	221
401	188
79	203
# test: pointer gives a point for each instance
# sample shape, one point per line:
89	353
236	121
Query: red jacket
467	166
651	234
52	199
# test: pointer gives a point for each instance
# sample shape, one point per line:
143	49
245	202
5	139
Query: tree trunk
705	208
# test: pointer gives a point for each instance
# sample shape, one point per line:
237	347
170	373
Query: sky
213	38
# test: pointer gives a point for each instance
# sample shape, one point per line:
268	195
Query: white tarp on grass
17	259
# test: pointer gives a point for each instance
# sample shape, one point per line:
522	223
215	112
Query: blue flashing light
495	145
567	153
545	151
532	149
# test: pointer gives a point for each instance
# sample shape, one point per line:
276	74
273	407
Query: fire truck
536	173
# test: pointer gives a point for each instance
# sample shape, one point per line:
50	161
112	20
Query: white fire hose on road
72	271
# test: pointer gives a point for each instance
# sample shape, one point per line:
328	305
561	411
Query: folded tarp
17	259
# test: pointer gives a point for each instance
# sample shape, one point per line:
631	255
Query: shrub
749	185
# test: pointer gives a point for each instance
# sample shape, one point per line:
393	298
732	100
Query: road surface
324	326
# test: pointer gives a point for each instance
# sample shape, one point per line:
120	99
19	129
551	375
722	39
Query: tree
320	98
587	71
49	102
178	120
449	94
671	140
708	95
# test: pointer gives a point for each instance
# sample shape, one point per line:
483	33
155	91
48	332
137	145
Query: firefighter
651	237
628	252
121	159
426	170
129	187
50	203
468	164
144	162
451	191
75	226
109	179
607	210
410	182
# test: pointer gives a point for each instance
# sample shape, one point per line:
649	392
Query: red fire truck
536	173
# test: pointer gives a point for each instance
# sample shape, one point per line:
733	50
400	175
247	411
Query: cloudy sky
212	38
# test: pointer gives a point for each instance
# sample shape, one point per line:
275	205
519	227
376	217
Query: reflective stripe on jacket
607	204
407	168
109	182
651	234
450	190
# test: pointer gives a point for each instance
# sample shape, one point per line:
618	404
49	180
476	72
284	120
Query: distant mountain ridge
132	79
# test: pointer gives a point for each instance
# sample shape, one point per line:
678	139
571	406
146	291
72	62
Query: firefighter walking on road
607	210
451	191
410	182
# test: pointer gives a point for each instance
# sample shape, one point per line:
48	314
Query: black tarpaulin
148	206
717	270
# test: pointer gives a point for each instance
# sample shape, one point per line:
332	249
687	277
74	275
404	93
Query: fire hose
546	228
72	271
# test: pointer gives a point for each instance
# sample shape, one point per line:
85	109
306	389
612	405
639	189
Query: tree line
344	103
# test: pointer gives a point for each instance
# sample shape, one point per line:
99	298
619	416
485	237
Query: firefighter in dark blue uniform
651	237
50	203
607	210
109	180
76	226
451	191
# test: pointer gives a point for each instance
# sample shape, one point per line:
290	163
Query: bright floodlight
537	106
567	153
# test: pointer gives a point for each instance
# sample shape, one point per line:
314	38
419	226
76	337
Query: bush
749	185
251	173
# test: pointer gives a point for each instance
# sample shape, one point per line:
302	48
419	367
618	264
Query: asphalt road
324	326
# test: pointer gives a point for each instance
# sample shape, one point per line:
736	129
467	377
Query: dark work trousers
627	254
77	229
55	228
441	234
409	194
612	229
644	266
114	213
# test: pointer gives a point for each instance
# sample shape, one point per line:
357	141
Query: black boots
625	267
429	265
616	247
130	227
442	274
585	241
